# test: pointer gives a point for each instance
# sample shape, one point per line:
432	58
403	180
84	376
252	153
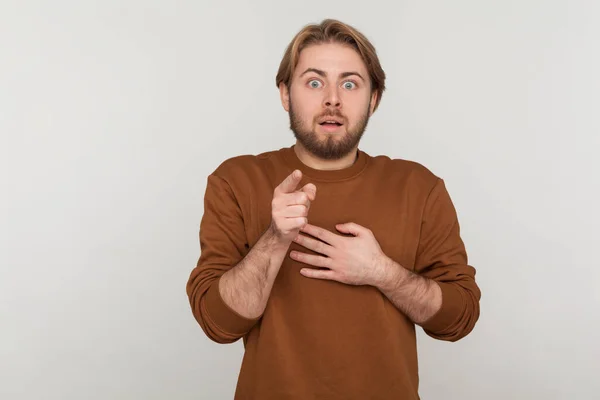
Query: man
323	258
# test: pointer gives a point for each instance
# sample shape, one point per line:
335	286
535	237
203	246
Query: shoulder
243	165
411	172
247	175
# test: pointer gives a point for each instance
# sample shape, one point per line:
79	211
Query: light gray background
113	113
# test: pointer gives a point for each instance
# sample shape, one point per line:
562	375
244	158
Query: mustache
332	114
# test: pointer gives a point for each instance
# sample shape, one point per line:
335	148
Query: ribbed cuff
224	317
452	307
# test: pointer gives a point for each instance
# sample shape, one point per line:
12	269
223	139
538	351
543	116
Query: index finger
320	233
290	183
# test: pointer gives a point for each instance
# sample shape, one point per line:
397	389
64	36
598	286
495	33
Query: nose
332	98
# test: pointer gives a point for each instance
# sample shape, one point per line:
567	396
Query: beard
332	148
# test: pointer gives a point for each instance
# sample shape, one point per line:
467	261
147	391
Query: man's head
330	72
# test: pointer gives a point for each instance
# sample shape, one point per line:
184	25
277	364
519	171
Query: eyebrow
324	74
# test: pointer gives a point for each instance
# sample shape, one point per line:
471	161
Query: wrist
275	240
392	276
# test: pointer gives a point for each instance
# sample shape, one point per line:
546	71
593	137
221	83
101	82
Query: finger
290	183
299	210
351	228
311	190
314	245
322	234
319	274
294	223
317	261
298	198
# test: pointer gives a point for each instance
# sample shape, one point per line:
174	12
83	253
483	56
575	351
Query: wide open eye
315	84
349	85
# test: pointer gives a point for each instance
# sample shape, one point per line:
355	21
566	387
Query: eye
314	83
349	85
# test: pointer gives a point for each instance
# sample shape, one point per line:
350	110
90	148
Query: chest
393	216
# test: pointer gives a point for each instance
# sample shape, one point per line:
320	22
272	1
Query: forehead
332	58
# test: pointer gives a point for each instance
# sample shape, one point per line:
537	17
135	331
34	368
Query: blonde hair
332	31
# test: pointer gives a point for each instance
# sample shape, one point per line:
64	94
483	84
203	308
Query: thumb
311	190
351	228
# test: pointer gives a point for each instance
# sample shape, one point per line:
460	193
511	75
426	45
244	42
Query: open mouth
330	124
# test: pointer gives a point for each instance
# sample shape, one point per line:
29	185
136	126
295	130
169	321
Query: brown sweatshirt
321	339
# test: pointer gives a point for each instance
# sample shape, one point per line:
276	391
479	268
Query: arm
246	287
417	297
229	287
441	295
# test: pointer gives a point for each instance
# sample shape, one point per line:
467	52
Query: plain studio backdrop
113	113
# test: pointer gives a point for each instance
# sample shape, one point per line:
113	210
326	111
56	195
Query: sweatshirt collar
291	159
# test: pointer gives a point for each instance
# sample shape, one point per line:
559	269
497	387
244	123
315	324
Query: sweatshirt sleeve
441	256
223	244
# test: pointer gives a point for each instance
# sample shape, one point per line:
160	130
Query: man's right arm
246	287
229	288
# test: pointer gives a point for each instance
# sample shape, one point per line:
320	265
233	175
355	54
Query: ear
373	102
284	93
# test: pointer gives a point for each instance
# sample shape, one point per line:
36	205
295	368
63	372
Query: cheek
354	115
357	110
305	110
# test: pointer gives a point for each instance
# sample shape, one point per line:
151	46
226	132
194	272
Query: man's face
331	82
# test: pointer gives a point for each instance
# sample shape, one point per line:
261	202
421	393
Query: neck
312	161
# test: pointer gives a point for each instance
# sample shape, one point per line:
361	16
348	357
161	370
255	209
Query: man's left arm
441	295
